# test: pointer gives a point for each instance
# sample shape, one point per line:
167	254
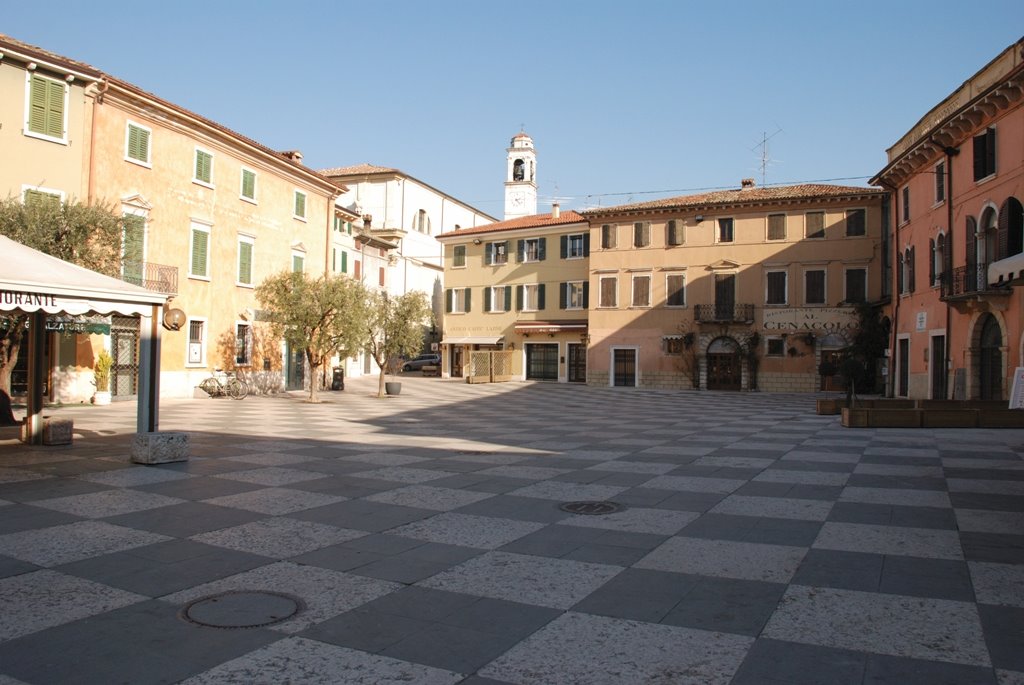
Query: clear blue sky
621	99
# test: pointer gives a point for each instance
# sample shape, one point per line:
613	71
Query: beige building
208	214
737	289
519	286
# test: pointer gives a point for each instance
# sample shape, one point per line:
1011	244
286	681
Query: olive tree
395	328
321	315
75	232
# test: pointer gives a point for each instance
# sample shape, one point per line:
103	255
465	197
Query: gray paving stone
895	496
722	486
635	520
725	559
998	583
776	507
272	475
277	537
467	530
990	521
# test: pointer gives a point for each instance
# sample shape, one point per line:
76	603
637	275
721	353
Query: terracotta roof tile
805	191
132	88
358	170
565	217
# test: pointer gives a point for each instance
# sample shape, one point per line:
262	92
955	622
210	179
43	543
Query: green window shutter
541	249
519	298
508	299
487	299
204	166
489	253
46	107
248	184
297	263
468	293
138	143
540	297
563	295
300	204
586	244
448	301
245	263
586	294
200	248
344	262
134	240
563	246
520	250
38	198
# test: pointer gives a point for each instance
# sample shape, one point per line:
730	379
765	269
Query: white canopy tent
38	284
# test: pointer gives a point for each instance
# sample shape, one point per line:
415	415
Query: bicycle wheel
210	386
237	389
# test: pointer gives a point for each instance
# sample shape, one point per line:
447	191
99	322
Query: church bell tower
521	178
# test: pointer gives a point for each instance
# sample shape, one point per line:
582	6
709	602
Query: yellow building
208	214
518	286
737	289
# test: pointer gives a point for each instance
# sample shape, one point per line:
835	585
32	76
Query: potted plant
396	330
101	377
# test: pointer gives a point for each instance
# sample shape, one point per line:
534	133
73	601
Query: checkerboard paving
759	542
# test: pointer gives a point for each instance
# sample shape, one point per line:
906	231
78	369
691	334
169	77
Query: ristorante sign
810	319
34	300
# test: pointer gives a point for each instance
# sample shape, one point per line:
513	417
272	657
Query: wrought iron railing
159	278
967	280
719	313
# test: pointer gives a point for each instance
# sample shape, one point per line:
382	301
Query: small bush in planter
101	370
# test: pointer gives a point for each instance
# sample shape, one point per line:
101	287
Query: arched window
1011	225
518	170
422	222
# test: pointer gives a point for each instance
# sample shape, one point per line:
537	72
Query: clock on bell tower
521	177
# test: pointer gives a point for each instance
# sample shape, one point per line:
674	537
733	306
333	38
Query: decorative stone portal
242	609
591	508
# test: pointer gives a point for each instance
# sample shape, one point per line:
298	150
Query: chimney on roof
746	184
367	220
294	155
556	211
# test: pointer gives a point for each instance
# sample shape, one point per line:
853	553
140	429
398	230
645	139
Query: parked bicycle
223	383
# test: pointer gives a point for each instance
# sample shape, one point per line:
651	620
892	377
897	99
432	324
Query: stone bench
161	447
55	431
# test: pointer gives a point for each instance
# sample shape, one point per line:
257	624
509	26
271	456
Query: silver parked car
421	361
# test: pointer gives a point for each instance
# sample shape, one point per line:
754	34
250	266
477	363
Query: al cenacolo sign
810	319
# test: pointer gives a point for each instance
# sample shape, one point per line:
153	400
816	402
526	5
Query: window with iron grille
775	347
243	344
196	354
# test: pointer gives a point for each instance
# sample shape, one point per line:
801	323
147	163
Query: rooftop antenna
765	158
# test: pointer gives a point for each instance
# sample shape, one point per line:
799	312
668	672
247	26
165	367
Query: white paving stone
896	497
324	592
107	503
594	650
43	599
998	583
467	530
278	537
914	627
897	540
20	475
73	541
725	559
298	660
555	583
428	497
275	501
403	474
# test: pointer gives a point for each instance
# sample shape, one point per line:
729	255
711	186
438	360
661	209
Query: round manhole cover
591	508
242	609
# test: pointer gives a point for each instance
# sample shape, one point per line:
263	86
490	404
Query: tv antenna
765	158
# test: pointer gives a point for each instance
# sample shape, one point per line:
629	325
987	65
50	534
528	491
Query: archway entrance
990	359
725	369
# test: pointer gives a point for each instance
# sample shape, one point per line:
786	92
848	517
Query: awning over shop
38	284
528	327
473	340
1009	271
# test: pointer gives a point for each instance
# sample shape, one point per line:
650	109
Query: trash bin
338	380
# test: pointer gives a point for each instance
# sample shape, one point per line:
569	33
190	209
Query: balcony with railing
723	313
969	282
159	278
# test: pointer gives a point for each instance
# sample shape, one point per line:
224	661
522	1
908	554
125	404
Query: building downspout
891	390
97	100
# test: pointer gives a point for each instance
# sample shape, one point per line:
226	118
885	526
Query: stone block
58	431
160	448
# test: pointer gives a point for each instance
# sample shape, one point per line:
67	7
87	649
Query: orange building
957	181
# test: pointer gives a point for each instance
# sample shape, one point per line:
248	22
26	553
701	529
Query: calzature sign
809	320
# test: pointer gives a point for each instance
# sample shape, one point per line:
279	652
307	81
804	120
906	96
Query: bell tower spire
521	177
